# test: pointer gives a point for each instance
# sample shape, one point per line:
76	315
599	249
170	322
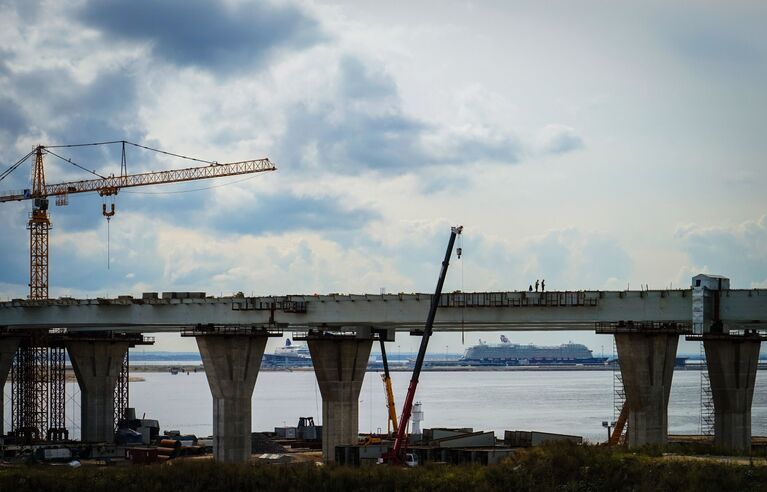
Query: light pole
608	425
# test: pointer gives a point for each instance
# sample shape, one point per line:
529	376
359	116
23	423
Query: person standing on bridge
543	285
530	289
536	285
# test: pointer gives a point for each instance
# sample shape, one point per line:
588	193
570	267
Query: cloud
14	260
217	36
568	259
737	252
558	139
288	212
12	120
707	40
59	108
362	126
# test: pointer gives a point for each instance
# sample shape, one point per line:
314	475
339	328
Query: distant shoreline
184	368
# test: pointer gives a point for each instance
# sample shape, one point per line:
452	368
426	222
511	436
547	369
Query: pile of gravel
261	443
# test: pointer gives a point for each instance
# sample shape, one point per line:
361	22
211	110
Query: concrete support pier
8	346
339	364
97	365
732	363
231	366
647	367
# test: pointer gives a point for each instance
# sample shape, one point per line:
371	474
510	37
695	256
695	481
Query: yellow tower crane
30	410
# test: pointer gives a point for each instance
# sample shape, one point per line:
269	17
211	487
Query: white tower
417	418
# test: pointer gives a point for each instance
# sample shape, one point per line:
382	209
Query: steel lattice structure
38	399
58	397
30	379
112	184
121	393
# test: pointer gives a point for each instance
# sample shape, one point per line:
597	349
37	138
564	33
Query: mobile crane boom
395	455
392	422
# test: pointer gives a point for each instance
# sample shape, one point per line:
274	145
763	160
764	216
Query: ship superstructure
513	354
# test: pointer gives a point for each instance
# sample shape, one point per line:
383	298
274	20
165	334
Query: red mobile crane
396	454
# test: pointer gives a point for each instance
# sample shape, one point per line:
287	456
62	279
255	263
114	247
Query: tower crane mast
30	413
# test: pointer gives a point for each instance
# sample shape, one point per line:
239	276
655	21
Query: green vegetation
558	467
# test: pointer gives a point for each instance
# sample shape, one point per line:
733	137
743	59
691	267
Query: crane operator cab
411	460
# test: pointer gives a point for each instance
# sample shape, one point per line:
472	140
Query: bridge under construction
231	333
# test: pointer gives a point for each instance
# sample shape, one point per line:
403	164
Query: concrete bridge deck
479	311
231	335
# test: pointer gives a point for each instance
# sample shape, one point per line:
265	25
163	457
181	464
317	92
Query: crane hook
106	214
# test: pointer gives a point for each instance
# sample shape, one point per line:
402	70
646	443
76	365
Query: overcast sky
594	144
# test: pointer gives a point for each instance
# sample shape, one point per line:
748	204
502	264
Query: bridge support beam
231	366
339	364
97	365
647	367
732	363
8	348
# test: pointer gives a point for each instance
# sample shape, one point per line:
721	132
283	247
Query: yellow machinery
30	412
391	425
620	425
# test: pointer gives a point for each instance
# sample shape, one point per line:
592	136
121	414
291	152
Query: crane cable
93	144
193	189
112	142
65	159
108	243
13	167
463	307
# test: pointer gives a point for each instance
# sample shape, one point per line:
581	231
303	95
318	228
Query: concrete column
732	364
97	365
647	367
231	366
340	366
8	348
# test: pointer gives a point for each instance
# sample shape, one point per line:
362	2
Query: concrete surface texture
231	366
8	348
339	365
732	365
647	368
97	365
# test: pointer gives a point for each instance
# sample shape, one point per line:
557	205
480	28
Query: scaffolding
619	393
706	397
121	393
74	415
29	397
58	394
620	413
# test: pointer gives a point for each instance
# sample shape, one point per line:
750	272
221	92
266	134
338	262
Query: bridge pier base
732	362
339	364
647	367
231	365
8	348
97	365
